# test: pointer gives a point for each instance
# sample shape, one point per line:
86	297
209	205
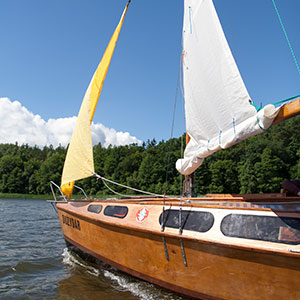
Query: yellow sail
79	161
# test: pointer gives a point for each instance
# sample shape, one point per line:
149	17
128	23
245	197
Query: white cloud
17	124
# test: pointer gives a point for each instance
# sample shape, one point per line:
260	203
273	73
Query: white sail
218	108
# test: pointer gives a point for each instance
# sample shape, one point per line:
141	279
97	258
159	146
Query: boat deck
274	201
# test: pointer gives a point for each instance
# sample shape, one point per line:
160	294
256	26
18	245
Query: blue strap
190	18
259	124
233	123
285	100
256	107
275	103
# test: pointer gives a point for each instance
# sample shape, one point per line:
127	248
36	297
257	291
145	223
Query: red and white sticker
142	214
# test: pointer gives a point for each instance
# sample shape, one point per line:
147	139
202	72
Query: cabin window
284	230
199	221
116	211
95	208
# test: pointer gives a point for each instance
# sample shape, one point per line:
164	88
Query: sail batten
218	108
79	162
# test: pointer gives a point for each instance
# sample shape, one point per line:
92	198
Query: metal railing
53	192
62	196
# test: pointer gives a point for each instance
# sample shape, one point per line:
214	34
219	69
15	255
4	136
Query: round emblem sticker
142	214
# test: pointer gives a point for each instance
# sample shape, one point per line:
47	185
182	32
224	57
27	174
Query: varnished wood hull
213	270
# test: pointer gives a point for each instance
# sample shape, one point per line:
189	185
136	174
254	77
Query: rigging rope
105	180
286	36
178	85
172	127
285	100
275	103
293	55
127	187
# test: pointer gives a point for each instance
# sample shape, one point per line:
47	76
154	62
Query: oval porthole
95	208
116	211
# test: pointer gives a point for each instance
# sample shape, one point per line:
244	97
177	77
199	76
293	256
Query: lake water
35	264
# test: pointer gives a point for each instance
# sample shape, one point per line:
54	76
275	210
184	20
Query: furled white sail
218	108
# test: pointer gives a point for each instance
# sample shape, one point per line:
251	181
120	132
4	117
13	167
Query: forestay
218	108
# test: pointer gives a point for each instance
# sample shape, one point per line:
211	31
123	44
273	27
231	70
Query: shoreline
42	196
25	196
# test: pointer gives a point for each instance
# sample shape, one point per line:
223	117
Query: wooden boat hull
212	270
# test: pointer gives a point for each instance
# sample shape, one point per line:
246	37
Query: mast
189	180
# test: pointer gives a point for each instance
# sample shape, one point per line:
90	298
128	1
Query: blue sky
50	50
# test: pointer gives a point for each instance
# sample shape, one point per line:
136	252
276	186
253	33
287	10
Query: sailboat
244	246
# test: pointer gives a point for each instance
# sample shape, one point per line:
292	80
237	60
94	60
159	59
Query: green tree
11	174
269	172
30	169
50	170
223	177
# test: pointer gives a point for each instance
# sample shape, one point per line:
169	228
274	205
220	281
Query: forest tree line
257	165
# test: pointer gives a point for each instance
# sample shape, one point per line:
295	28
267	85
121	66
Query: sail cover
79	162
218	108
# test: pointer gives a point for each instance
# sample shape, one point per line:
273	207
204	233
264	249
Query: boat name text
74	223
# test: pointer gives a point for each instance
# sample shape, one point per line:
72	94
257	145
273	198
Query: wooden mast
189	181
287	111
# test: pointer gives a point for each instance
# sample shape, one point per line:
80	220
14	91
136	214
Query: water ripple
35	264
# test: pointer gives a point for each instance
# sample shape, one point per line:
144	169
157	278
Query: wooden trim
287	111
218	203
134	273
188	138
208	197
257	197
